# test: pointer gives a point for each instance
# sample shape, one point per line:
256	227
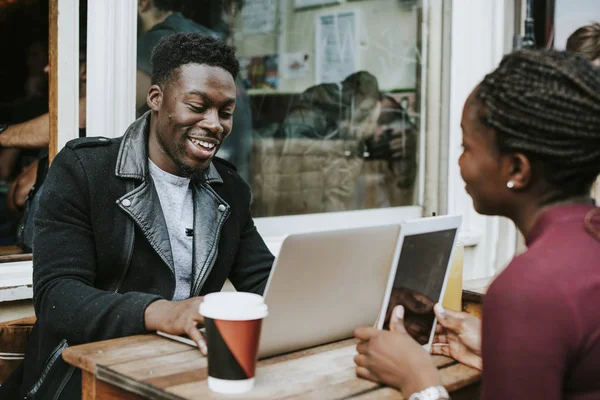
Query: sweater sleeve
66	301
528	332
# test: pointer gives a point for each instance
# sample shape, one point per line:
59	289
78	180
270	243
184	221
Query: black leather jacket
102	252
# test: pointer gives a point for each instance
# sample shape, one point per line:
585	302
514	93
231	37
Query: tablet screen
419	280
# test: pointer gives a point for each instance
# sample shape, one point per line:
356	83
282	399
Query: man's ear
520	171
155	97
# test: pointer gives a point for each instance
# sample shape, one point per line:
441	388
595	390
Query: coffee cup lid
233	306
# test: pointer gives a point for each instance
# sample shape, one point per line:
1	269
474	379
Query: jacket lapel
142	203
143	206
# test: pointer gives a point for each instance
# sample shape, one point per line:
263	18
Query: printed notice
336	53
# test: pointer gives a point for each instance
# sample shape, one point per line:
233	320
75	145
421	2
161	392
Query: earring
510	184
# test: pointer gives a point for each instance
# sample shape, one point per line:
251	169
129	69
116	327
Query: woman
531	138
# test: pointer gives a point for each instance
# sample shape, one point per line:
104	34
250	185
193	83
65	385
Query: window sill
16	281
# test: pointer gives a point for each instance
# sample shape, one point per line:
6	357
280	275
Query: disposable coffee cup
232	322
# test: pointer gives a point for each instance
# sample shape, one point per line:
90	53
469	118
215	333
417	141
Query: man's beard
174	153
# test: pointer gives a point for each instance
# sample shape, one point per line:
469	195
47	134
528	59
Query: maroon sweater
541	316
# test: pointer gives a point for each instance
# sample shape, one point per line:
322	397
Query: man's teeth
202	143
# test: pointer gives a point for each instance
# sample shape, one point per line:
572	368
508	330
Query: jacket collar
132	160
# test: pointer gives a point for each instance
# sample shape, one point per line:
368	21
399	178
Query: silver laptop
323	285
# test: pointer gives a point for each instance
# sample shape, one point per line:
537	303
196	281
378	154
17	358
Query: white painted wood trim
16	281
478	36
68	71
111	66
427	30
273	227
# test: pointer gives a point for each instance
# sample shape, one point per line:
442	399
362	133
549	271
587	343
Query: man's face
191	117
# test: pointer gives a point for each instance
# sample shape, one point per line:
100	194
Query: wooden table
150	366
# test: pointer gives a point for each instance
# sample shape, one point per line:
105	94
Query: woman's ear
520	172
154	98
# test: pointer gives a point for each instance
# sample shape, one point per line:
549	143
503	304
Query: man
160	18
131	231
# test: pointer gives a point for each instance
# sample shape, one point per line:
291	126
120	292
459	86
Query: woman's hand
458	335
394	358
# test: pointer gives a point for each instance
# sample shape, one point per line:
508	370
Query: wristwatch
431	393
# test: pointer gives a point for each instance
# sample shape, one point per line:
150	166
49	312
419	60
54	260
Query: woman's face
482	167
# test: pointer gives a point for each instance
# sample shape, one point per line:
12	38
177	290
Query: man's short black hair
179	49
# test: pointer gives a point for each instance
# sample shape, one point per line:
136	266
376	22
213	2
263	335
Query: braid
546	104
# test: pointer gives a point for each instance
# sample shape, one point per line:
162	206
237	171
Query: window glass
327	114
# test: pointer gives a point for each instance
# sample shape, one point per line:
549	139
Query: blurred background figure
585	41
348	110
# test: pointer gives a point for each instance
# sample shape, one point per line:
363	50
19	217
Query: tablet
418	276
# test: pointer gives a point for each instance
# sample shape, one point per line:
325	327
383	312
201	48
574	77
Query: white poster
313	3
259	16
336	53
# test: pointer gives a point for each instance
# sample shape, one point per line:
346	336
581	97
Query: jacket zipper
213	259
49	363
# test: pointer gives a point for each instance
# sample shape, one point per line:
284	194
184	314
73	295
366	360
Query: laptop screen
419	280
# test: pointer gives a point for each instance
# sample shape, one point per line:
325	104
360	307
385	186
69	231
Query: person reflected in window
344	111
532	159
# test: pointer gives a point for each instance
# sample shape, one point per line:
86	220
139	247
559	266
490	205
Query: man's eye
198	109
226	115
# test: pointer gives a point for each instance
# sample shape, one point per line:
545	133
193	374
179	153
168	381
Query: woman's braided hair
546	105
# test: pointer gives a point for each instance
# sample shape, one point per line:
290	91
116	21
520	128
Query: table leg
92	389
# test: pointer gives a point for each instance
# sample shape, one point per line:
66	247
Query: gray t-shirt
177	205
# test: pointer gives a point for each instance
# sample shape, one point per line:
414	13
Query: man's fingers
364	373
194	333
365	332
361	360
362	347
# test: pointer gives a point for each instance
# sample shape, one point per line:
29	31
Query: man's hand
458	335
394	358
176	318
